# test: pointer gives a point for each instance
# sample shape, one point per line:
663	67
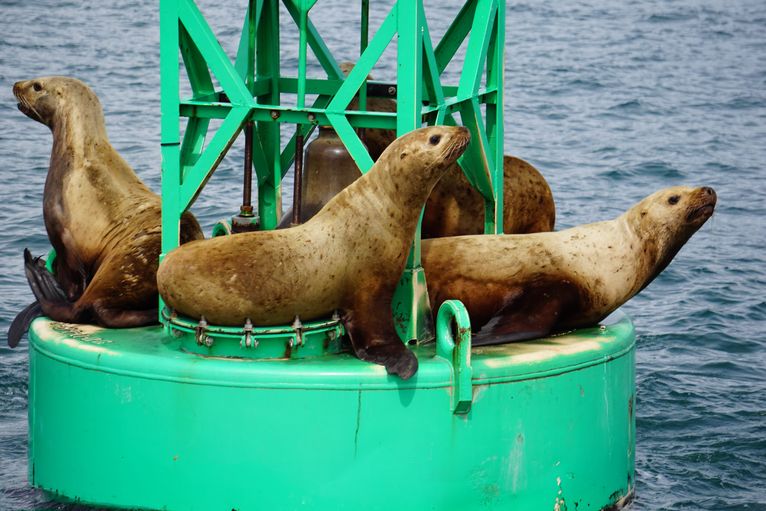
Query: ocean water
610	100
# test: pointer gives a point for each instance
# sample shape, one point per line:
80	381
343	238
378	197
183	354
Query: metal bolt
200	332
298	326
392	90
247	339
275	115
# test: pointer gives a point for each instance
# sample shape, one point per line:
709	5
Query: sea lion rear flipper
50	296
21	322
513	323
44	285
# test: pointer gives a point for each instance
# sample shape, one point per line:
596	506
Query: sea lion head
432	149
665	220
51	98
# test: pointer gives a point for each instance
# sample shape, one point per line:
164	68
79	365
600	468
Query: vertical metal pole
411	306
363	41
302	57
247	186
495	62
297	181
267	67
497	76
170	130
170	137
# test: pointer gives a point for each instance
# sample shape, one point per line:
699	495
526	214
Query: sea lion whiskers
24	102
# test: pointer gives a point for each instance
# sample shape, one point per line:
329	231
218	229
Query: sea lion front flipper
21	322
375	341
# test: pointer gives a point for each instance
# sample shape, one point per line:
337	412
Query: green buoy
188	416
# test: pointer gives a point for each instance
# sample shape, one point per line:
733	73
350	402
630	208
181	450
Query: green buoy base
127	418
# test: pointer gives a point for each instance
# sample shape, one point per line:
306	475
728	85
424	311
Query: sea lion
349	257
521	287
455	208
103	222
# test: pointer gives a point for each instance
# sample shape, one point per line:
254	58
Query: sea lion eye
434	139
674	199
37	87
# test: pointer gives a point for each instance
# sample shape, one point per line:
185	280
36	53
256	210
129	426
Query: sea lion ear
403	155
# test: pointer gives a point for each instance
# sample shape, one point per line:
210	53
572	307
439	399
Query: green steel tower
253	89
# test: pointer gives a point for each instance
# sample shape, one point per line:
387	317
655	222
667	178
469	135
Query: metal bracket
248	341
298	327
456	351
201	333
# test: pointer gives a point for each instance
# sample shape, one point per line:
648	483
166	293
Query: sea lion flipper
515	322
21	322
374	340
44	285
394	356
48	292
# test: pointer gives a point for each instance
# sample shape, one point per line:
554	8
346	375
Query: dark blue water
611	100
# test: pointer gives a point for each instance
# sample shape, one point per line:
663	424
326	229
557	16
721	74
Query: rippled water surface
611	100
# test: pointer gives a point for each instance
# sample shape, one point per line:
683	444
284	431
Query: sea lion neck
78	129
646	242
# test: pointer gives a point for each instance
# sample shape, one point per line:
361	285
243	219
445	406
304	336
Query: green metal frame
252	89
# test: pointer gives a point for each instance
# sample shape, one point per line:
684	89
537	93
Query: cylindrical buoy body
128	418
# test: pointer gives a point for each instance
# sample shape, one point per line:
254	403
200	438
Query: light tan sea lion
103	222
526	286
349	257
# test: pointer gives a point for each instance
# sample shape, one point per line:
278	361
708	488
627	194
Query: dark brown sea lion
349	257
526	286
103	222
455	208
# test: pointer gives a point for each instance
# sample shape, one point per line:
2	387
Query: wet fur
526	286
103	222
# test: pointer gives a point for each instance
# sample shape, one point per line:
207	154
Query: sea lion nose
17	87
707	190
